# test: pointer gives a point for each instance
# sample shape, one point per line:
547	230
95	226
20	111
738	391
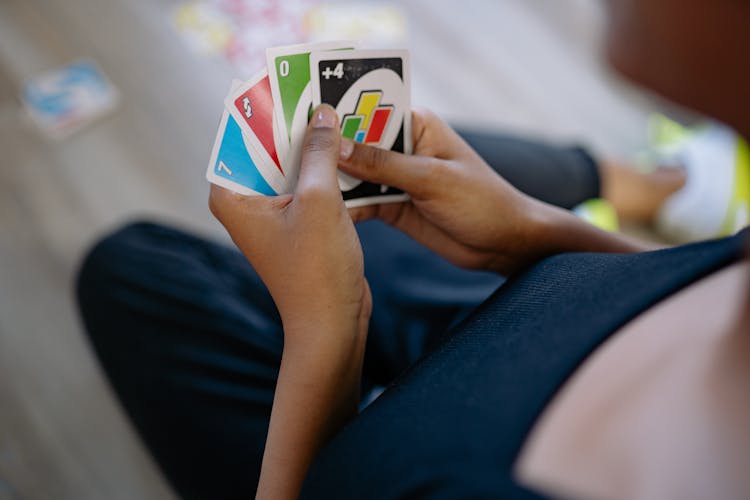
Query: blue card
232	165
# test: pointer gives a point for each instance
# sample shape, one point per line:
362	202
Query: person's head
695	52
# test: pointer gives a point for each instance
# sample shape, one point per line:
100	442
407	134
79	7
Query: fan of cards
259	142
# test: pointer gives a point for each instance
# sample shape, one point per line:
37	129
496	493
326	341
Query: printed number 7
338	71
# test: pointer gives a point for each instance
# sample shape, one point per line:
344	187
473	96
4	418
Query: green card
289	75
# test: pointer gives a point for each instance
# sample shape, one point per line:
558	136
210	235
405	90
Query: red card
253	108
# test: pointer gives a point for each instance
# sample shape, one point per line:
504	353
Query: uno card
289	75
370	91
62	101
231	164
251	106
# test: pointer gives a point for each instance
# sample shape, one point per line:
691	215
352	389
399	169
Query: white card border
376	200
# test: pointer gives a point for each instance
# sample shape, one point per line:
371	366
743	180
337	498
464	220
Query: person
597	370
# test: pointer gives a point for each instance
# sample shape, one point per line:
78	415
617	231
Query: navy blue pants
191	341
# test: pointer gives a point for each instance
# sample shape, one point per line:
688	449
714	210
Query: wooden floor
529	66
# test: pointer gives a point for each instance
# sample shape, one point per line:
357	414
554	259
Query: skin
306	250
637	197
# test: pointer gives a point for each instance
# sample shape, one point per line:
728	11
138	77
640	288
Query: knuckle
436	175
435	167
360	214
319	142
356	214
315	193
429	116
426	118
375	158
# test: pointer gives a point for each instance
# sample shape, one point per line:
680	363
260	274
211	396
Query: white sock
699	209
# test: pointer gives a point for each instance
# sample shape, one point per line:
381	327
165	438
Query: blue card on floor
62	101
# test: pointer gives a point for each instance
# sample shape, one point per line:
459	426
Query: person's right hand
459	207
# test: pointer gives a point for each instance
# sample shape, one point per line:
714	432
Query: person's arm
465	211
317	392
554	230
307	252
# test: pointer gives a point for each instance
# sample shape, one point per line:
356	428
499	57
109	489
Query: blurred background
140	150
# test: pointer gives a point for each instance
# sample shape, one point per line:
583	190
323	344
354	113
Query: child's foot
636	194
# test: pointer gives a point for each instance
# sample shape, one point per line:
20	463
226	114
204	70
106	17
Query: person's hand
459	206
307	252
304	246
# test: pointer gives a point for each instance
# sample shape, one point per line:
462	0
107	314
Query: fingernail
325	117
347	148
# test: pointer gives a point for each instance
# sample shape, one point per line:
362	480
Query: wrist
336	329
332	314
525	236
332	320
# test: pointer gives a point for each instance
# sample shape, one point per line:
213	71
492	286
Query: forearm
555	231
548	230
316	394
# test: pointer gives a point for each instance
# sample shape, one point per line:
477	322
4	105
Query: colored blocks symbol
377	124
351	125
370	119
368	101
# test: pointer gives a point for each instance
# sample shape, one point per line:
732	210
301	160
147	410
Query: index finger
380	166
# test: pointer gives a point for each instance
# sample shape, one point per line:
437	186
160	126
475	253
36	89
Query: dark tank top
453	425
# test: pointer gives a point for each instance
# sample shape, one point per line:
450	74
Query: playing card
251	106
370	91
62	101
289	76
231	164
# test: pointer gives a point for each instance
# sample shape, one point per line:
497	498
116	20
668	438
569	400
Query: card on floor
61	102
251	106
370	91
289	75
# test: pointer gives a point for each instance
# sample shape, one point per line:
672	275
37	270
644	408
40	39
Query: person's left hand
304	245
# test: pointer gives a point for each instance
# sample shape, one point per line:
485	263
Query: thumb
320	153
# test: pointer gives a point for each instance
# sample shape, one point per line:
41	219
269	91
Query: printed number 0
284	68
